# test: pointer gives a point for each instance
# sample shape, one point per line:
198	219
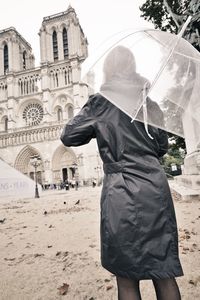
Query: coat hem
146	275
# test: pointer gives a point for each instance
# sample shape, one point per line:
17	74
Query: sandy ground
40	252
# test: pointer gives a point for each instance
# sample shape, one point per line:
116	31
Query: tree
156	12
170	15
174	157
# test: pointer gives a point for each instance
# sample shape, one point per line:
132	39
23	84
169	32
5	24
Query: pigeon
2	221
77	202
45	212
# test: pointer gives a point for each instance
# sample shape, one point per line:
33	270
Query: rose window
33	114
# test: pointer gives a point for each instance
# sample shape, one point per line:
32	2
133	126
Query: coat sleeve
80	129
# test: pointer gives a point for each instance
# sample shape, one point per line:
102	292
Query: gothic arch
63	159
64	25
59	161
69	108
61	100
6	62
24	59
22	161
59	112
52	29
4	117
68	97
4	123
24	102
55	45
3	43
65	43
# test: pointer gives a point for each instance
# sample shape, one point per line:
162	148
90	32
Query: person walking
139	238
94	183
76	184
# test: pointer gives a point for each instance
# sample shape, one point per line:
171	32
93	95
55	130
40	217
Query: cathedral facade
36	102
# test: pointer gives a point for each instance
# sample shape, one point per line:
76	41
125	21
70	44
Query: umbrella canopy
152	76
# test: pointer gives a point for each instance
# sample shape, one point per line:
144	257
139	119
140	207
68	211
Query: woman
139	237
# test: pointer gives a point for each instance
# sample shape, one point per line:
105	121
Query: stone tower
15	52
36	102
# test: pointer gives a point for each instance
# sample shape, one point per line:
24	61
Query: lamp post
35	161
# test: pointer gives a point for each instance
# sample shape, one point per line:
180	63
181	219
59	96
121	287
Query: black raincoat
139	237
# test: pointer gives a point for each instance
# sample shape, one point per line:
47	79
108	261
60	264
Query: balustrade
29	84
30	136
60	77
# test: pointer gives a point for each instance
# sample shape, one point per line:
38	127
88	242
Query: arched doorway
63	164
23	163
64	174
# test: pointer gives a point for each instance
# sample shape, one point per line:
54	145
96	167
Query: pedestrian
139	238
94	183
76	184
73	182
66	185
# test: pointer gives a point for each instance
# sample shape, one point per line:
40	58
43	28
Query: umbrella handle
144	106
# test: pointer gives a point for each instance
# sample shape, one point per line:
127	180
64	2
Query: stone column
10	56
43	54
45	86
1	61
16	56
76	85
11	100
49	47
71	39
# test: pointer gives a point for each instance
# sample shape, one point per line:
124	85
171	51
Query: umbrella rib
170	53
154	38
159	42
188	56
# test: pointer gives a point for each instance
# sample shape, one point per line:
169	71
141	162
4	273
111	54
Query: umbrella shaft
185	26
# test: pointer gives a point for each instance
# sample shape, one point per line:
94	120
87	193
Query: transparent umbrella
152	76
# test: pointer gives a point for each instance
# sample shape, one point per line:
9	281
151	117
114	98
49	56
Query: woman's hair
120	62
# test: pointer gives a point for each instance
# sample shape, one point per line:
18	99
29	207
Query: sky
99	19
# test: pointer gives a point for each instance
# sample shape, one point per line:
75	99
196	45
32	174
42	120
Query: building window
24	60
70	112
6	124
65	43
33	114
5	55
59	114
55	46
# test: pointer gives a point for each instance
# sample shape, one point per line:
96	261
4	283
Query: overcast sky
98	18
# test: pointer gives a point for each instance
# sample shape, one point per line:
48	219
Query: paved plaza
53	242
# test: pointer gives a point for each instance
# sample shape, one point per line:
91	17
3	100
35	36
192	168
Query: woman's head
119	62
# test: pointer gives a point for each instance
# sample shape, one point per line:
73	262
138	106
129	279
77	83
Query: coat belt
116	167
